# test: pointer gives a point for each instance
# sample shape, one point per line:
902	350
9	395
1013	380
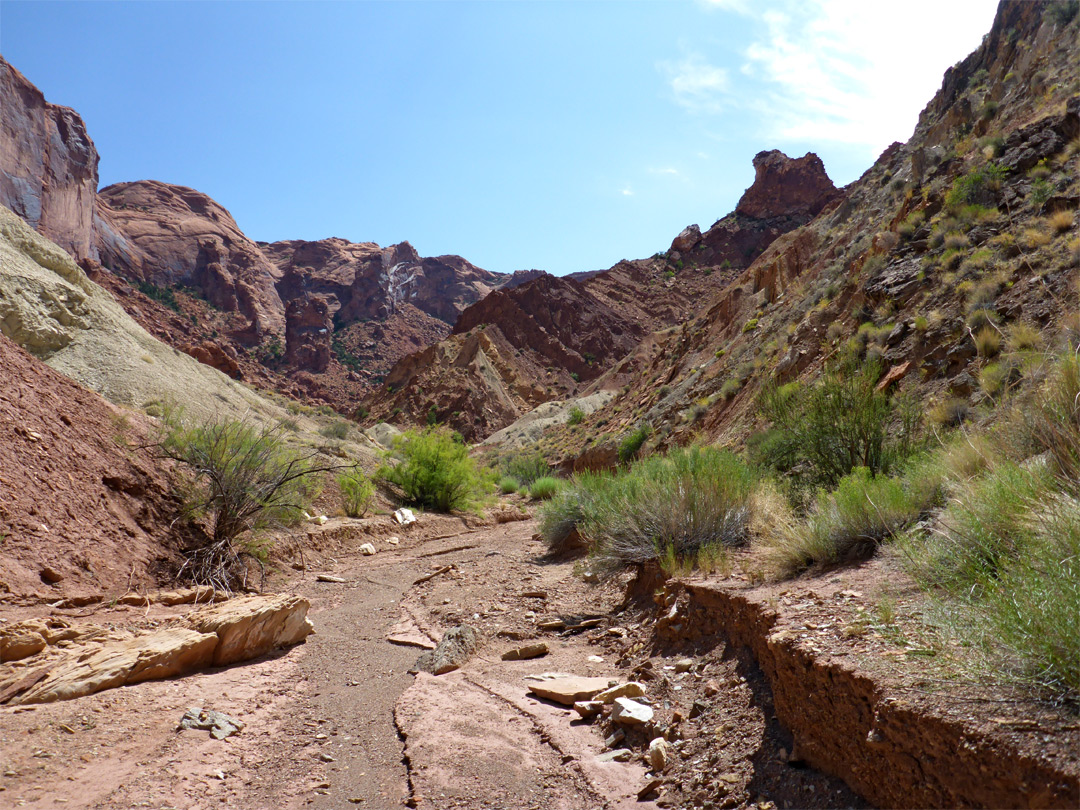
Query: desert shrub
845	524
289	423
526	467
631	443
988	341
679	505
950	412
544	489
576	417
750	325
1060	222
975	187
1034	238
508	485
842	422
335	430
434	471
955	241
992	379
243	479
357	493
920	324
730	388
1023	337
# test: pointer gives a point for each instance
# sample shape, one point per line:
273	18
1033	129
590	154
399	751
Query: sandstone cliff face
172	235
48	164
364	281
307	334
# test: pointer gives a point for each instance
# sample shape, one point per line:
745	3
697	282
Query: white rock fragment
629	712
367	549
405	517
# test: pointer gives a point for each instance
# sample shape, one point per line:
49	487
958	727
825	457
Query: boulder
454	649
254	625
687	239
162	654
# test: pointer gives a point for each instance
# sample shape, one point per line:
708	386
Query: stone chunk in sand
569	690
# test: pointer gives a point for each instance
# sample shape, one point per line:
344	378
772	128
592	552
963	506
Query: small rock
588	708
711	689
618	755
618	632
684	664
657	755
405	517
595	659
367	549
651	787
328	578
51	575
326	758
551	624
630	689
534	595
629	712
616	737
218	724
698	708
392	540
526	652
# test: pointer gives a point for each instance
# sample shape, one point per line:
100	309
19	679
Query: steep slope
559	333
952	259
82	510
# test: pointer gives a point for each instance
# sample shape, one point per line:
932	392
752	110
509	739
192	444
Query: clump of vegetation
846	524
977	187
525	467
677	506
335	430
357	492
824	431
163	295
576	417
434	471
508	485
632	442
544	489
243	480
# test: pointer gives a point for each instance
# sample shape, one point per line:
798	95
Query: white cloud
858	71
738	6
627	191
698	86
665	170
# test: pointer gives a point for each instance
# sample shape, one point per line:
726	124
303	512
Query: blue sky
557	135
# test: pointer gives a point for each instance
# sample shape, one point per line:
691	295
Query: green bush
676	505
357	493
976	187
337	430
543	489
243	479
577	416
434	471
846	524
508	485
632	441
526	467
839	423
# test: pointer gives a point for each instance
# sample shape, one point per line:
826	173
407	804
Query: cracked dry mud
337	721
